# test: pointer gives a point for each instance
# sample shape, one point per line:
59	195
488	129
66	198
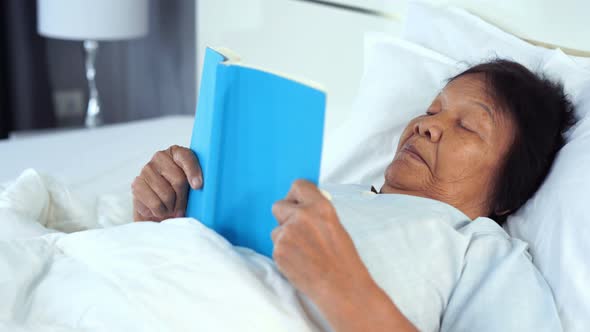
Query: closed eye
465	128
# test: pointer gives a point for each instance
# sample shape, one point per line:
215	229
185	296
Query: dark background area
42	80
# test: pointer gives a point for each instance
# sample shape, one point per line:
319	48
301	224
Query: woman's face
453	152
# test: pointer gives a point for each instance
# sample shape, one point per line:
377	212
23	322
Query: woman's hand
313	250
160	191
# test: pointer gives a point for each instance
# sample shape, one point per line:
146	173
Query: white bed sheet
102	160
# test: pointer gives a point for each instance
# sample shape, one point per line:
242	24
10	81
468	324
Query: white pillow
575	78
399	82
464	37
460	35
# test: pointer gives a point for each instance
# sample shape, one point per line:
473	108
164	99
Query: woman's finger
141	212
181	201
160	186
304	191
283	210
143	193
177	179
189	163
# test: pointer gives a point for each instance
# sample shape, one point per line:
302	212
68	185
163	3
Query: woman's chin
402	174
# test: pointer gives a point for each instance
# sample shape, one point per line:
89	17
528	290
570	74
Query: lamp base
93	116
93	113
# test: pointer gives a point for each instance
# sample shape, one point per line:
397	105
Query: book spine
221	97
206	136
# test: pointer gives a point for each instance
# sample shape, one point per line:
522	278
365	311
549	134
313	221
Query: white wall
316	42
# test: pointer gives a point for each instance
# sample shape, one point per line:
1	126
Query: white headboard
323	40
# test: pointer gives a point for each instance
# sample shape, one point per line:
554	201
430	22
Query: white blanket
173	276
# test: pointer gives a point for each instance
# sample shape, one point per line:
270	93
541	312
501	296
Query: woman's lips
412	152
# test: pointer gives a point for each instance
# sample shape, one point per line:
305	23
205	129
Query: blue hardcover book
255	132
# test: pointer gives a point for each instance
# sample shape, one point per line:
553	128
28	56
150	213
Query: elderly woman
422	253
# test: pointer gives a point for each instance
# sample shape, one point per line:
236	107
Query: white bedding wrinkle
49	203
173	276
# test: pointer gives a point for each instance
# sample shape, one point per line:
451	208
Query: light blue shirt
442	270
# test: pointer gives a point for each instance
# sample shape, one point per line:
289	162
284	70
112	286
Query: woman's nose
428	129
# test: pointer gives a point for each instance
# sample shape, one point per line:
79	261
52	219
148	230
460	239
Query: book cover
255	132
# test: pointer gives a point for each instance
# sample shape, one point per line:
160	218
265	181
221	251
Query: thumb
189	163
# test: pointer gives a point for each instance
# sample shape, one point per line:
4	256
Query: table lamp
91	21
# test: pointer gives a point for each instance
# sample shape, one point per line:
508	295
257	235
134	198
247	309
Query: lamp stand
93	115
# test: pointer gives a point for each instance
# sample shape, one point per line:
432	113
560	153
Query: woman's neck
470	208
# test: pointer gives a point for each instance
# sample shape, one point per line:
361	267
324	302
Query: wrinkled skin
454	151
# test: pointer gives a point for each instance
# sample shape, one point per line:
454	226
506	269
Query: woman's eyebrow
485	108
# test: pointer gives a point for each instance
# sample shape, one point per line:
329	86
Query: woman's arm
317	255
362	308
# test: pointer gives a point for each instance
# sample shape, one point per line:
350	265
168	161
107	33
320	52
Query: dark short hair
542	113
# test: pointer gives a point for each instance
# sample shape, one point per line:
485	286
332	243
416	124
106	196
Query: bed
327	41
102	160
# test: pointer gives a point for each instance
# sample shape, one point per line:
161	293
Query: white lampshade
92	19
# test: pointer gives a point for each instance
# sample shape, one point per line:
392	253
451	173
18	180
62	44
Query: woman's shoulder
499	267
485	232
487	238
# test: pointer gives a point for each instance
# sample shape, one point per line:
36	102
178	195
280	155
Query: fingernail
179	214
196	182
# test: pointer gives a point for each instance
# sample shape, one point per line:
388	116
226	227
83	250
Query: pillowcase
400	81
461	35
464	37
575	78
